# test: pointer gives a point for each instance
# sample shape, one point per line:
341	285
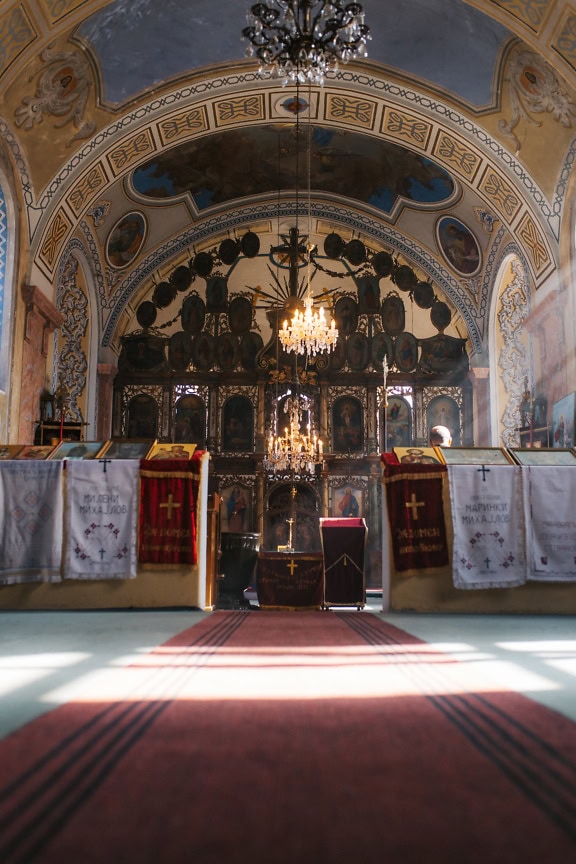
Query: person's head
440	437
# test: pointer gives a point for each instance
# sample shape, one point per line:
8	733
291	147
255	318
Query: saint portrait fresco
458	245
347	425
126	240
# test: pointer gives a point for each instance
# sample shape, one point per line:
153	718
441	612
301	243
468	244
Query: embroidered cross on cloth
415	501
168	496
489	528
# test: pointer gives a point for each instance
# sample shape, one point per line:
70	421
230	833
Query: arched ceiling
435	41
461	117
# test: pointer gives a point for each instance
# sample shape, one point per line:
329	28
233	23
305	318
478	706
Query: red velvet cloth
168	496
289	580
415	499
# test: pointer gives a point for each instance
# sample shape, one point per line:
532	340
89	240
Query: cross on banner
104	463
413	506
170	505
484	471
292	566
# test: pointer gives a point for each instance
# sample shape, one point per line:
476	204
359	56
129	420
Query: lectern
343	548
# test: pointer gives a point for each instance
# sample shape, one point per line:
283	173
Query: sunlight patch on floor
350	672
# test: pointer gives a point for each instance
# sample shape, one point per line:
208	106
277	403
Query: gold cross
413	505
170	505
292	566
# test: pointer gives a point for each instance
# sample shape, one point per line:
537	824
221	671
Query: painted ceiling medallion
61	91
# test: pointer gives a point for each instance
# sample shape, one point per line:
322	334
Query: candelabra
300	40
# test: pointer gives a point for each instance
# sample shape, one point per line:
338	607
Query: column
105	395
480	378
42	319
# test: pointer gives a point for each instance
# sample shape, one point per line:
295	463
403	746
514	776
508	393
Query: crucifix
484	471
170	505
413	506
290	524
294	250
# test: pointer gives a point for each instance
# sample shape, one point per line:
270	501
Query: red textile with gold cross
168	496
415	497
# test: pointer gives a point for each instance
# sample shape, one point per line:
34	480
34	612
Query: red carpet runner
275	738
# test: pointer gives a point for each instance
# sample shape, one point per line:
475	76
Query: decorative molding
71	362
532	13
514	360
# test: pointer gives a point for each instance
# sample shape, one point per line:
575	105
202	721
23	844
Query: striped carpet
281	737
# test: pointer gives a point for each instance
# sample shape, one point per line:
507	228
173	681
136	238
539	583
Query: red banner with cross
415	497
168	496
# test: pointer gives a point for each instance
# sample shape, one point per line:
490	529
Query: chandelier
308	332
295	451
300	40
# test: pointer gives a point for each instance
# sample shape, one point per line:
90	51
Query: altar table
289	580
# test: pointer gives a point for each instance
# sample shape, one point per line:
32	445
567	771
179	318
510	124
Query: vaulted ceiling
450	146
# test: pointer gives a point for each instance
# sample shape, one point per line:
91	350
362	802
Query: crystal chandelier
300	40
295	451
308	332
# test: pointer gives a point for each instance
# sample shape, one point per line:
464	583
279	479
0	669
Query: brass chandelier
295	452
301	40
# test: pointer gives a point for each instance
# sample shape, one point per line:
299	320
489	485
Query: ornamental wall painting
458	245
126	240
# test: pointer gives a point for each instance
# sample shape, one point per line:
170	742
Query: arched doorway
297	502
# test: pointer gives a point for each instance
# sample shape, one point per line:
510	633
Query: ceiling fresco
238	163
434	40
